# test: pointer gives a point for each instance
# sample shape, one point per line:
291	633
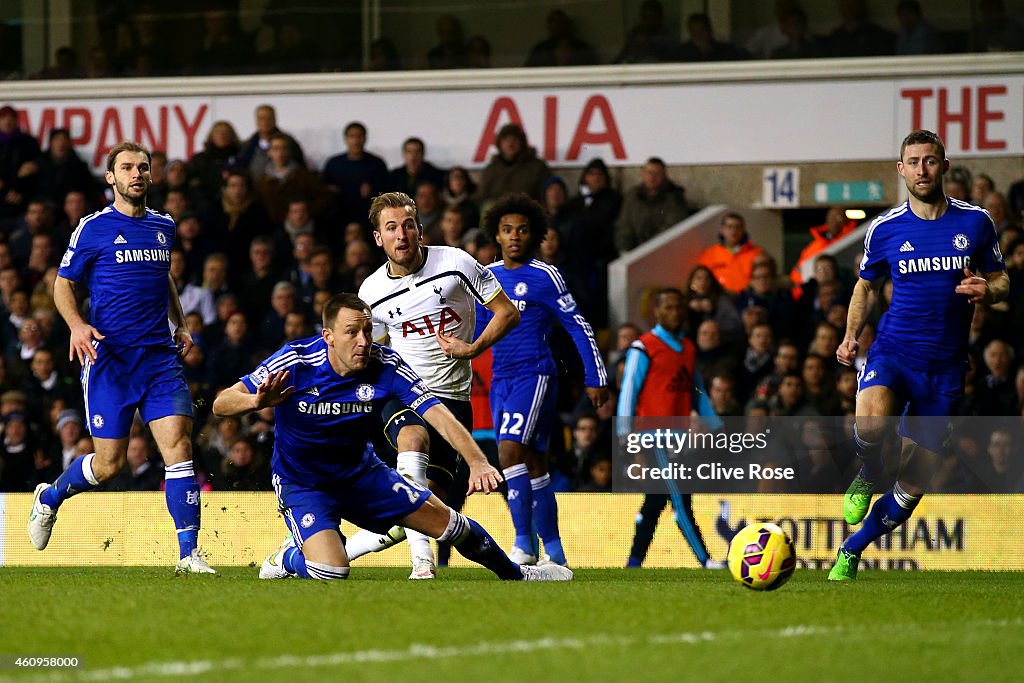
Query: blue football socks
520	504
77	478
476	545
888	512
545	510
182	491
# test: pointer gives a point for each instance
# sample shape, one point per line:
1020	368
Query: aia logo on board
446	321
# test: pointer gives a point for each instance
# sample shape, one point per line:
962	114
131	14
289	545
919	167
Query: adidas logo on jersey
120	240
314	391
907	246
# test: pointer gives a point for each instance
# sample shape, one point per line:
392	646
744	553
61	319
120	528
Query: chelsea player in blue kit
130	361
327	392
931	246
525	386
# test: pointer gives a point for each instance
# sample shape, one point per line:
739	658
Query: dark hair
339	301
355	124
923	137
511	130
668	291
391	200
524	205
415	141
125	146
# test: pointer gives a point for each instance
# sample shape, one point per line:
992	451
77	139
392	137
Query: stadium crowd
263	240
144	41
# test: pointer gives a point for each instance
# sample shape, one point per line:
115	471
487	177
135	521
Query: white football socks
413	466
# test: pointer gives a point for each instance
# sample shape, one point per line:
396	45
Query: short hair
524	205
658	161
340	301
513	130
282	286
126	146
923	137
414	141
733	214
667	291
274	137
356	125
391	200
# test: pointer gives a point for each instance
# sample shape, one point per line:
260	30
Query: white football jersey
440	296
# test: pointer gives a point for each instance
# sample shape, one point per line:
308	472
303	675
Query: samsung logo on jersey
519	303
134	255
334	408
928	265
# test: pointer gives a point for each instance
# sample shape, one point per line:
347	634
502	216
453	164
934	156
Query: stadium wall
118	529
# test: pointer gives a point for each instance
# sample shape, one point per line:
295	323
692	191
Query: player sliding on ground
931	246
326	392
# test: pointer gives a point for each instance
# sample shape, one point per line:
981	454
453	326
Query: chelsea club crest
961	242
520	289
162	239
364	392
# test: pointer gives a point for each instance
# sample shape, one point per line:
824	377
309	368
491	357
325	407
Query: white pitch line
427	652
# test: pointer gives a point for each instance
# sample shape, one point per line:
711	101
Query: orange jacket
818	243
731	268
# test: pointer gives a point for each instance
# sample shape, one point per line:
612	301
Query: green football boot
845	568
857	499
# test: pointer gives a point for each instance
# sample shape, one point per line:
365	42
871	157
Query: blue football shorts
525	409
125	379
444	459
928	398
376	499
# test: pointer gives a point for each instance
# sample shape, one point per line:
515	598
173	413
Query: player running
931	246
327	392
129	359
525	386
423	302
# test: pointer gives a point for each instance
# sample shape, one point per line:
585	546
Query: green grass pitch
144	624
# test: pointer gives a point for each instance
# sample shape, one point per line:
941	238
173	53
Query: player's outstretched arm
82	333
237	400
506	316
483	478
861	303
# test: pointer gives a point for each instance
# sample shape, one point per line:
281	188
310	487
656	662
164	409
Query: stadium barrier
946	532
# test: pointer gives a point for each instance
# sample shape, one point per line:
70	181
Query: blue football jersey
322	431
928	323
539	292
124	262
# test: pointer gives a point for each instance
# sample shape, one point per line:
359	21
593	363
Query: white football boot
193	564
40	520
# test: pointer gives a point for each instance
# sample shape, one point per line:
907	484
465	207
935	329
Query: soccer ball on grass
761	556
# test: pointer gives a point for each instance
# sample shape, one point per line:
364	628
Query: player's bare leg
322	556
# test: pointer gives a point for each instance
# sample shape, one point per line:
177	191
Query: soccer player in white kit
423	302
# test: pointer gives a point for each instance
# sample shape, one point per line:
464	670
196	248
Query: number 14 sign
780	187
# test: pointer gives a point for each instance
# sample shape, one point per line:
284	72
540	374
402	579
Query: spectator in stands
478	53
722	392
358	262
712	357
599	475
770	37
283	301
846	390
835	227
245	468
450	51
453	225
706	300
321	277
653	206
588	238
229	360
650	40
819	385
625	334
731	261
255	153
556	199
458	191
994	29
356	175
997	393
550	250
39	219
286	179
208	169
981	185
193	298
68	431
702	46
297	271
757	358
177	181
429	208
826	277
915	36
562	47
999	210
785	361
825	342
192	241
227	305
515	168
954	188
18	453
858	36
416	169
789	399
225	48
776	301
65	65
384	56
76	206
59	170
142	472
46	385
255	284
18	150
800	42
237	218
